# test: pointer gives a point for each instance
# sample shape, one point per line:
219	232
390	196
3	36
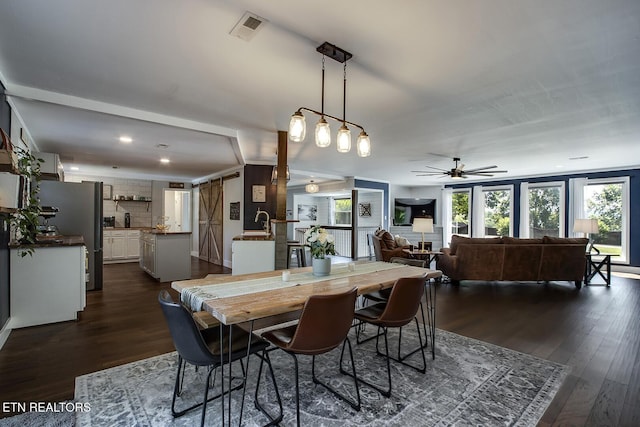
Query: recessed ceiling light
164	160
578	158
74	168
126	139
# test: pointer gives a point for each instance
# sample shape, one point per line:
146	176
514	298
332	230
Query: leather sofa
512	259
385	246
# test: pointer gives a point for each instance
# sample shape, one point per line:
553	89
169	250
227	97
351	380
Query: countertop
241	237
159	232
125	228
52	242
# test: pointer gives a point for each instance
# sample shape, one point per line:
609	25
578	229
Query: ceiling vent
248	26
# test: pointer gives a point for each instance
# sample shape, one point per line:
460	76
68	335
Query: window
543	210
342	211
608	201
460	219
497	211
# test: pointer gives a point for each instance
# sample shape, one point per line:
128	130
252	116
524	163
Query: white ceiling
526	85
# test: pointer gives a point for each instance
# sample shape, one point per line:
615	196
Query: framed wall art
364	209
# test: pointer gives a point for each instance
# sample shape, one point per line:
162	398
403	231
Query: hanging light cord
344	95
322	105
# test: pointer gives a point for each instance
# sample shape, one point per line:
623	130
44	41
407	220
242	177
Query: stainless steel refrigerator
79	213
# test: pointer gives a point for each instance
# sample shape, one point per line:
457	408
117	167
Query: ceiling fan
459	171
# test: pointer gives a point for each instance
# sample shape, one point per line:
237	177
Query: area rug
469	383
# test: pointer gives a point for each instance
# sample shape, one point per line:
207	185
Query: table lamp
587	226
423	225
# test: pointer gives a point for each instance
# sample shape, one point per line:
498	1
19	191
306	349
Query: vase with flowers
321	244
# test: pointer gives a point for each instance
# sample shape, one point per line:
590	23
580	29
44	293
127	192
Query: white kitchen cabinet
133	245
48	286
121	245
166	256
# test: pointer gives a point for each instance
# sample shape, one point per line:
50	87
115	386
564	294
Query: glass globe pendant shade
344	139
297	127
364	145
312	187
323	133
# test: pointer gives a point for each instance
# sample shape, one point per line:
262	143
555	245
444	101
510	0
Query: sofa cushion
458	240
517	241
564	240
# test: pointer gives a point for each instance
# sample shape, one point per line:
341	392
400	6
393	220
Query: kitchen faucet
266	225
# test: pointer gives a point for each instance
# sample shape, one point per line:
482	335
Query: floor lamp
423	225
588	227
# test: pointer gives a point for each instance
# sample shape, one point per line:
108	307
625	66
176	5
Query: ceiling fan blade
477	174
482	168
429	172
438	169
484	171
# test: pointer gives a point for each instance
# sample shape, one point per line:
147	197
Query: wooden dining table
250	297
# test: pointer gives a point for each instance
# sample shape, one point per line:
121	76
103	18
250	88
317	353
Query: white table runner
194	297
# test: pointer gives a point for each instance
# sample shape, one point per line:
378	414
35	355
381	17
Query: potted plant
25	220
321	244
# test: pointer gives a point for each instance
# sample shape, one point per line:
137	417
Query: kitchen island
166	256
253	252
49	285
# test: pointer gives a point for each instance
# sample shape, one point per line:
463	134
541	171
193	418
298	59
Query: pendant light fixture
274	175
297	125
323	131
311	187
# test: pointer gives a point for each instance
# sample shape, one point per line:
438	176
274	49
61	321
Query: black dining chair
398	311
323	325
202	348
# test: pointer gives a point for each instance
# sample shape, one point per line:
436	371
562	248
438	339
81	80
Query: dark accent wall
374	185
4	272
5	124
258	175
634	201
5	111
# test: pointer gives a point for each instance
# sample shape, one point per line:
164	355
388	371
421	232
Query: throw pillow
388	240
401	241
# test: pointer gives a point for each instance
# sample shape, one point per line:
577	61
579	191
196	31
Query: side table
428	256
595	265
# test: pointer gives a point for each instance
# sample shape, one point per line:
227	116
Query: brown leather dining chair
401	307
324	324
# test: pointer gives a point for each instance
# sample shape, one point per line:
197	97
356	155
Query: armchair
385	246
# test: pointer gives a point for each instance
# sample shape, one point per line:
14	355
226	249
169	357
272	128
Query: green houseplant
24	221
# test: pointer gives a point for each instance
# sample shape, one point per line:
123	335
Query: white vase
321	266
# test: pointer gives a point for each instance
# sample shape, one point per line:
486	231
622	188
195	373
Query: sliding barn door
211	222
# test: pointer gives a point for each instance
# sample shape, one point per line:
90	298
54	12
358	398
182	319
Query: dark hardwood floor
595	330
